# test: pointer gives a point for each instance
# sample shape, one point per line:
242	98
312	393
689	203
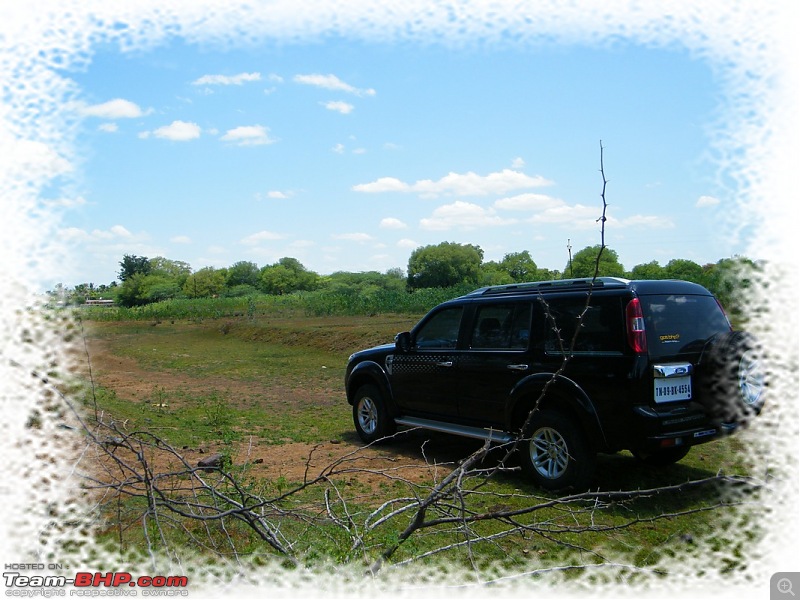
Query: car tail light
634	319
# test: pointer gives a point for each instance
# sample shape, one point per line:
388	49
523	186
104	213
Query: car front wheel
555	453
370	416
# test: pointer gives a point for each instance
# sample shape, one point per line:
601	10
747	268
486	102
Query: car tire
733	378
555	453
662	458
370	416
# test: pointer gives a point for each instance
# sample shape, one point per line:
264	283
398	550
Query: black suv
566	369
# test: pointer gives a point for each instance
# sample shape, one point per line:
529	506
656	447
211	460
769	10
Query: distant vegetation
153	288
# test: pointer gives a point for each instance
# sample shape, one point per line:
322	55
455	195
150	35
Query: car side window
502	327
602	325
441	330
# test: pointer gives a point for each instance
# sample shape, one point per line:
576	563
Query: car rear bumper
667	428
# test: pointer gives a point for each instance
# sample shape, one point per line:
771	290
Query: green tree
132	292
585	261
205	283
132	264
159	287
396	273
278	279
365	283
139	289
493	274
687	270
520	266
286	276
176	270
547	274
444	265
731	280
651	270
243	273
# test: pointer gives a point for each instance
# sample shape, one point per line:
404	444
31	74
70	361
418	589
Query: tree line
143	280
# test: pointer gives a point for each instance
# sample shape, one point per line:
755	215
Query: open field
267	393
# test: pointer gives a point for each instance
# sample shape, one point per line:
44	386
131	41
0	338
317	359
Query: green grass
309	304
279	379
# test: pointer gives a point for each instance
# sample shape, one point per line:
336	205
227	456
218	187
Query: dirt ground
415	456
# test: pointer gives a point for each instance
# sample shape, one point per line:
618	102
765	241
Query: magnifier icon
785	586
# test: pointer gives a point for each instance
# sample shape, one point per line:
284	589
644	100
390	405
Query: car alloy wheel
751	379
367	414
549	453
557	454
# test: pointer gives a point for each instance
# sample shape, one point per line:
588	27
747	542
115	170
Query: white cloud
383	184
463	215
528	202
577	215
338	149
66	202
274	195
548	210
643	221
32	159
109	127
406	243
116	232
248	135
461	184
227	79
344	108
517	163
262	236
332	82
120	231
114	109
392	223
178	131
181	239
705	201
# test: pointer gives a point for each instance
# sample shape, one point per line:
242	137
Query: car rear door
493	361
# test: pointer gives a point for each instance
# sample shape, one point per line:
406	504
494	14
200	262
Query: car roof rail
551	286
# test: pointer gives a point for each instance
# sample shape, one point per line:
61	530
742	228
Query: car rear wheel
733	380
370	416
555	453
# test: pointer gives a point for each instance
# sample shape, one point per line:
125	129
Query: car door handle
518	367
446	363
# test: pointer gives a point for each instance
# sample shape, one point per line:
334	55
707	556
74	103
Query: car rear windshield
680	324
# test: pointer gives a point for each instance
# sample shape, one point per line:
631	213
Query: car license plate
672	389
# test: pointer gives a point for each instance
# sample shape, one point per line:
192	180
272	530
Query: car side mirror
402	341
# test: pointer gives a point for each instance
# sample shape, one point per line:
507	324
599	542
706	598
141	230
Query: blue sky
349	154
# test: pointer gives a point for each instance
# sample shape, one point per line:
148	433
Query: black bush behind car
566	369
